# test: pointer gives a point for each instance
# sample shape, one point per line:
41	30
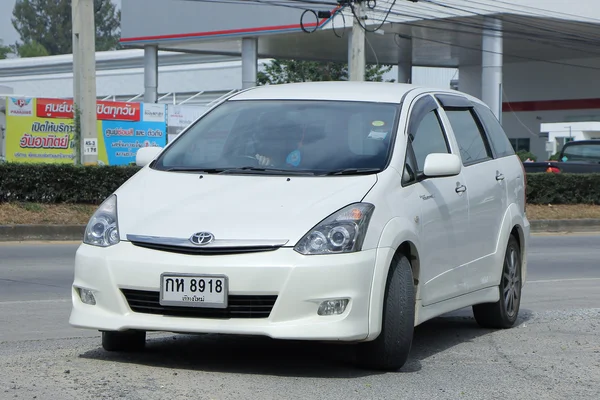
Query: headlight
342	232
103	229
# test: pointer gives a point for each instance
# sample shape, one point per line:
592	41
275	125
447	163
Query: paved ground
553	353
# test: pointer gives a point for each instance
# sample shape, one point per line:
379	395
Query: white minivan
334	211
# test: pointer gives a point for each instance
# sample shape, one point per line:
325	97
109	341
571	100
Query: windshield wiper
196	169
266	170
352	171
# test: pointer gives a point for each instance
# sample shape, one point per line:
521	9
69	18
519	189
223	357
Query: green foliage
549	188
524	155
4	50
287	71
554	157
60	183
32	49
48	22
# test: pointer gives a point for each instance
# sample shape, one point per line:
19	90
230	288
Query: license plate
188	290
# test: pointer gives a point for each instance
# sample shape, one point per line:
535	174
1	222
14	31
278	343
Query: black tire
389	351
123	341
504	313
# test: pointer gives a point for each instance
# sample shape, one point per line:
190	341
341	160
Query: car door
444	204
486	190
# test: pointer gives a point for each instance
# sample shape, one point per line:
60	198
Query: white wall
186	78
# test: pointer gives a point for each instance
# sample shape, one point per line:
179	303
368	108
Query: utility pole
357	50
84	78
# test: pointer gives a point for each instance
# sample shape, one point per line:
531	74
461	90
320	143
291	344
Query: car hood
236	207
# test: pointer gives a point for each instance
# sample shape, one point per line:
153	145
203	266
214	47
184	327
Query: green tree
32	49
4	50
48	23
287	71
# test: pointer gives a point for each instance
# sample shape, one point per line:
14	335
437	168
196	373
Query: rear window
587	152
471	142
499	140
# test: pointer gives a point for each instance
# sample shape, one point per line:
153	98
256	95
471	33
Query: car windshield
284	136
582	152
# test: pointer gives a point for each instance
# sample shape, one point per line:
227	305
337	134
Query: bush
554	157
546	188
54	183
524	155
59	183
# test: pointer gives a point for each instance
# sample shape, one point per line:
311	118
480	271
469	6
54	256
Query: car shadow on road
265	356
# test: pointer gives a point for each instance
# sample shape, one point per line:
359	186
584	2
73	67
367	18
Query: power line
551	38
496	52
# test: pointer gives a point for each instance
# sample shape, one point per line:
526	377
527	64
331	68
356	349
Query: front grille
148	302
214	251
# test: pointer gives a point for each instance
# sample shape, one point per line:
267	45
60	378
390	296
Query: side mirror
145	155
442	164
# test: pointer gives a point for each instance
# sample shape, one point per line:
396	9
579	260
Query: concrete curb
19	233
565	225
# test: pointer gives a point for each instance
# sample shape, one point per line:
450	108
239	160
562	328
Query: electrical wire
553	37
302	21
515	114
503	53
340	12
382	23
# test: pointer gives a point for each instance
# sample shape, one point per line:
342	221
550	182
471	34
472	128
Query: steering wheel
245	157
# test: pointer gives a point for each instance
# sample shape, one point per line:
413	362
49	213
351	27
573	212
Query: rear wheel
389	351
123	341
503	314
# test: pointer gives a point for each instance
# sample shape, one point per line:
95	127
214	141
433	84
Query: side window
472	144
500	142
425	136
428	138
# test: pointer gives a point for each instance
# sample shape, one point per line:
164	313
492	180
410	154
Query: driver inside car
278	141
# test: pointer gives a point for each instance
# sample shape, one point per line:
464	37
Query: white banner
179	117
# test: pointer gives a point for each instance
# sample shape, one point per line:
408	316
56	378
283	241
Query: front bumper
300	283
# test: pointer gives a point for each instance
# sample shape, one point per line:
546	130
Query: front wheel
389	351
503	314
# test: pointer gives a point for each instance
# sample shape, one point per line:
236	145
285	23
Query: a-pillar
150	74
249	62
491	66
405	60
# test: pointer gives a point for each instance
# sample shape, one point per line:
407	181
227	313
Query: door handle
499	176
461	189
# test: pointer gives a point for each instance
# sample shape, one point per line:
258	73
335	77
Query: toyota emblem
202	238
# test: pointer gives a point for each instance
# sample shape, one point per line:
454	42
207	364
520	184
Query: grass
45	214
67	214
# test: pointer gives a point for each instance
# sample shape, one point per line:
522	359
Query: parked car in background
334	211
578	157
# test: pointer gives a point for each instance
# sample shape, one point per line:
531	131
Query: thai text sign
42	130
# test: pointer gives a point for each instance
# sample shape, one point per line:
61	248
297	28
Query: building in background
189	83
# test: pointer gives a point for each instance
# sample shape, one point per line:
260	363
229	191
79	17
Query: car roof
384	92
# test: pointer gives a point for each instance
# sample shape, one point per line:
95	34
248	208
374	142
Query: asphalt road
553	352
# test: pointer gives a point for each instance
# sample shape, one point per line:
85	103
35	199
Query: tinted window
582	152
428	138
471	143
498	138
307	136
